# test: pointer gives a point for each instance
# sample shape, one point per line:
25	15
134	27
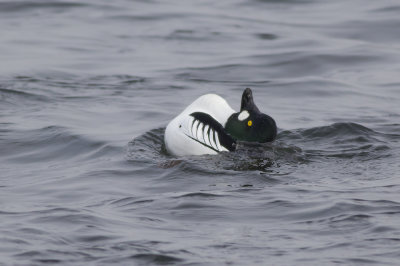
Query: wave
342	140
52	143
18	6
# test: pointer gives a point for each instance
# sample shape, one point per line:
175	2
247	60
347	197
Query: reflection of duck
209	125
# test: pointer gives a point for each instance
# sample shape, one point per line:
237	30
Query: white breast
182	131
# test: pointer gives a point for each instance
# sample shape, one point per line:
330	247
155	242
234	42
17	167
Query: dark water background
87	88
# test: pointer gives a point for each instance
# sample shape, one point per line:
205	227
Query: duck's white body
183	135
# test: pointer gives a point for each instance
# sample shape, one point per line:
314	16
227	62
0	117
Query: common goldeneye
209	125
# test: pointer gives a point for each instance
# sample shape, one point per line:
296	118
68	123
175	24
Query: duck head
250	124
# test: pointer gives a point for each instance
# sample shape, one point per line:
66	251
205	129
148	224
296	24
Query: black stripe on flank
208	133
225	139
204	144
191	127
197	130
204	132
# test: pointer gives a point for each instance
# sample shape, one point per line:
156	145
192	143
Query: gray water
87	88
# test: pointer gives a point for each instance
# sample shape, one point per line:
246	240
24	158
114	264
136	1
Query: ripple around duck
149	148
292	148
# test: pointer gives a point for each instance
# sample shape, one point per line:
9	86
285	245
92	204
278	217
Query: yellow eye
249	123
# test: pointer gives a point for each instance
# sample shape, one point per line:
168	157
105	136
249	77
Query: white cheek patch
243	115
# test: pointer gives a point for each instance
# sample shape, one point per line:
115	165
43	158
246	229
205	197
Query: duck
210	126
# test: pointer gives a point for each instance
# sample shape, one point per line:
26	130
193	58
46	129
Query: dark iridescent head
250	124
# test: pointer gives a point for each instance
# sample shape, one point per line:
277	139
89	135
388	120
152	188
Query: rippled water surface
87	88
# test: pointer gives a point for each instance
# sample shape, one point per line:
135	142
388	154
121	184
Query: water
87	88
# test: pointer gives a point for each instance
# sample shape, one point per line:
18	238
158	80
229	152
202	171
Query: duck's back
186	136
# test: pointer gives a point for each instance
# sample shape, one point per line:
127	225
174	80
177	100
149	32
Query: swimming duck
209	125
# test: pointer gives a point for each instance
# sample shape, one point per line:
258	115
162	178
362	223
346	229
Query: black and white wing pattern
204	129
